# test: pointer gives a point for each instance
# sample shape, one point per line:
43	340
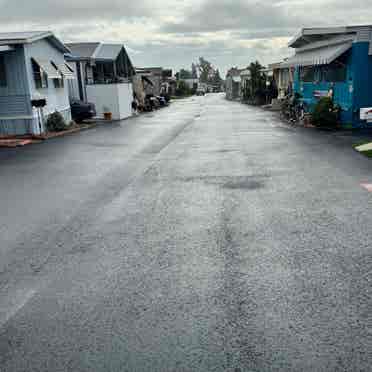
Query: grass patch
360	144
367	153
347	126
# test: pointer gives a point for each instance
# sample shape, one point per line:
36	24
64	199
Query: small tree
217	80
206	70
256	91
184	74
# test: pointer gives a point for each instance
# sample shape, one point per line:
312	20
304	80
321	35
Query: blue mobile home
32	67
334	61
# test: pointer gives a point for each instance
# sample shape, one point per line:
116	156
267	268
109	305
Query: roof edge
309	31
57	43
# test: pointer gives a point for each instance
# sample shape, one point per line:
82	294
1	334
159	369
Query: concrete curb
19	141
63	133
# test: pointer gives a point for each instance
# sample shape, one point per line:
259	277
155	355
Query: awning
66	71
320	56
6	48
237	79
48	68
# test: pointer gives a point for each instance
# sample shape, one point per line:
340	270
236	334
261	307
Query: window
307	74
58	83
3	81
333	73
40	77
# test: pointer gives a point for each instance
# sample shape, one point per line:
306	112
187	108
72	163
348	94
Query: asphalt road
203	237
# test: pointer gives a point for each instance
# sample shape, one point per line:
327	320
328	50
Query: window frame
305	70
329	72
58	83
40	77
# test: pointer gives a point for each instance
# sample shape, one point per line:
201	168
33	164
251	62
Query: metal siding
14	106
15	127
362	79
342	94
16	73
57	98
15	97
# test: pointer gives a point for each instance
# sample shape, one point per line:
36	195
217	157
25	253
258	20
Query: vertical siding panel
16	73
15	97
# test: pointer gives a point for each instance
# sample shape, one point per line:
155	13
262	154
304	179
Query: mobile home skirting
15	126
27	124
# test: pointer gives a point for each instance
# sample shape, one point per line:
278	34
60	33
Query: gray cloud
268	18
53	11
218	15
175	33
221	53
263	33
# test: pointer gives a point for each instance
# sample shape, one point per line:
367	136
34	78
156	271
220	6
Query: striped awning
48	68
67	71
320	56
6	48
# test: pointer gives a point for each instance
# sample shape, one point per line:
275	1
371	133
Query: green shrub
56	122
325	114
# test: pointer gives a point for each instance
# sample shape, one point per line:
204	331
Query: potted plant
107	114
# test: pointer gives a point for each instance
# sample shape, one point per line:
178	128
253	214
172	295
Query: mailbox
38	102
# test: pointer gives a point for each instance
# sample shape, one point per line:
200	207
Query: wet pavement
203	237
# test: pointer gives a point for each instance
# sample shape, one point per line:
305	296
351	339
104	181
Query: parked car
82	110
200	92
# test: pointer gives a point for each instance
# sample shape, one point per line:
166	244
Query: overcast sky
175	33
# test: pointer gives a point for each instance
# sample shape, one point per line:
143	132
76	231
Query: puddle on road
231	182
244	183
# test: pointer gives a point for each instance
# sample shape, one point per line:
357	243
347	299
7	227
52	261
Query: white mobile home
32	67
103	77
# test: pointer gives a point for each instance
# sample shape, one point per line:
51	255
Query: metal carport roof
107	51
